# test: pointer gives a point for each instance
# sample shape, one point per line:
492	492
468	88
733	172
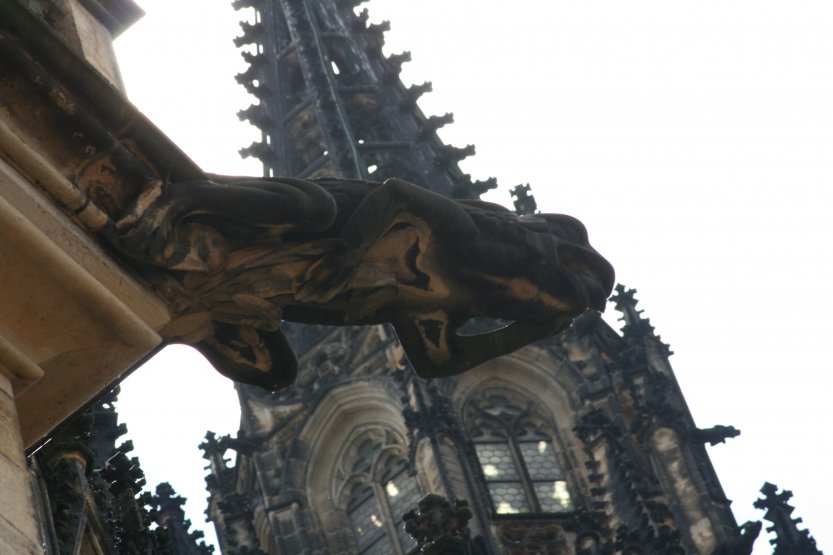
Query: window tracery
376	490
517	456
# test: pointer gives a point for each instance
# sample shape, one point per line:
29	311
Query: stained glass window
382	491
546	476
402	495
517	458
366	518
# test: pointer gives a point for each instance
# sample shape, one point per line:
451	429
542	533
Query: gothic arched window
377	492
517	456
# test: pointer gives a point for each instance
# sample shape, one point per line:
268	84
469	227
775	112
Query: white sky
694	139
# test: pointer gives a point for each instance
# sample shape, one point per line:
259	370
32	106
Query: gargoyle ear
435	350
250	356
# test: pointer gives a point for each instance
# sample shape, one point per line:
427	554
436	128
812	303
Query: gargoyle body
714	435
235	256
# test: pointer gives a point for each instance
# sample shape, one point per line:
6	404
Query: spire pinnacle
789	539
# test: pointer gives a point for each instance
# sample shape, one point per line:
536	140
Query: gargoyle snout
592	275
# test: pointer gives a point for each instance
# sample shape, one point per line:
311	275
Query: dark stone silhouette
235	256
743	543
714	435
789	539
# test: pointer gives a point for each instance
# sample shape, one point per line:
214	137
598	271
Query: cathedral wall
19	531
344	414
89	34
534	372
452	464
453	475
536	375
677	475
427	464
545	386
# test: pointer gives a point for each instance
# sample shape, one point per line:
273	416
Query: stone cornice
73	153
116	15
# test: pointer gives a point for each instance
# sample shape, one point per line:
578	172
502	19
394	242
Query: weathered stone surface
14	541
234	256
438	525
89	27
9	431
18	527
72	321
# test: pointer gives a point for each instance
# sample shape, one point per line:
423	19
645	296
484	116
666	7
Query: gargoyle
714	435
741	544
235	256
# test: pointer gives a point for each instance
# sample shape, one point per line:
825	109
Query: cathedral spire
789	540
524	200
634	324
330	103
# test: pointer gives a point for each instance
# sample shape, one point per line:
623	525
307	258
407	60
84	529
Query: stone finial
523	199
789	540
625	302
438	526
169	504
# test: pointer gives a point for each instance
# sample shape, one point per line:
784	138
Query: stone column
19	531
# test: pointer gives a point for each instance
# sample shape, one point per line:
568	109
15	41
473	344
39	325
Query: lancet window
378	489
517	456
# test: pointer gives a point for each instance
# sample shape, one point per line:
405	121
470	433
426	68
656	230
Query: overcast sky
694	139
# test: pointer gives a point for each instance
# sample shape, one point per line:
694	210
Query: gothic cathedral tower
581	444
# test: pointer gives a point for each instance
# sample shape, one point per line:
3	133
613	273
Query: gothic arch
535	374
537	383
356	443
534	370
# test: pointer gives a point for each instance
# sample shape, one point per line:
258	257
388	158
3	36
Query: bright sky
694	139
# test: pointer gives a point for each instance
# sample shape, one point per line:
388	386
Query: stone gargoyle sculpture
234	256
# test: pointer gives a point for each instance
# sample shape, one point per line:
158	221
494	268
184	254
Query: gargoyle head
589	274
558	271
537	272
